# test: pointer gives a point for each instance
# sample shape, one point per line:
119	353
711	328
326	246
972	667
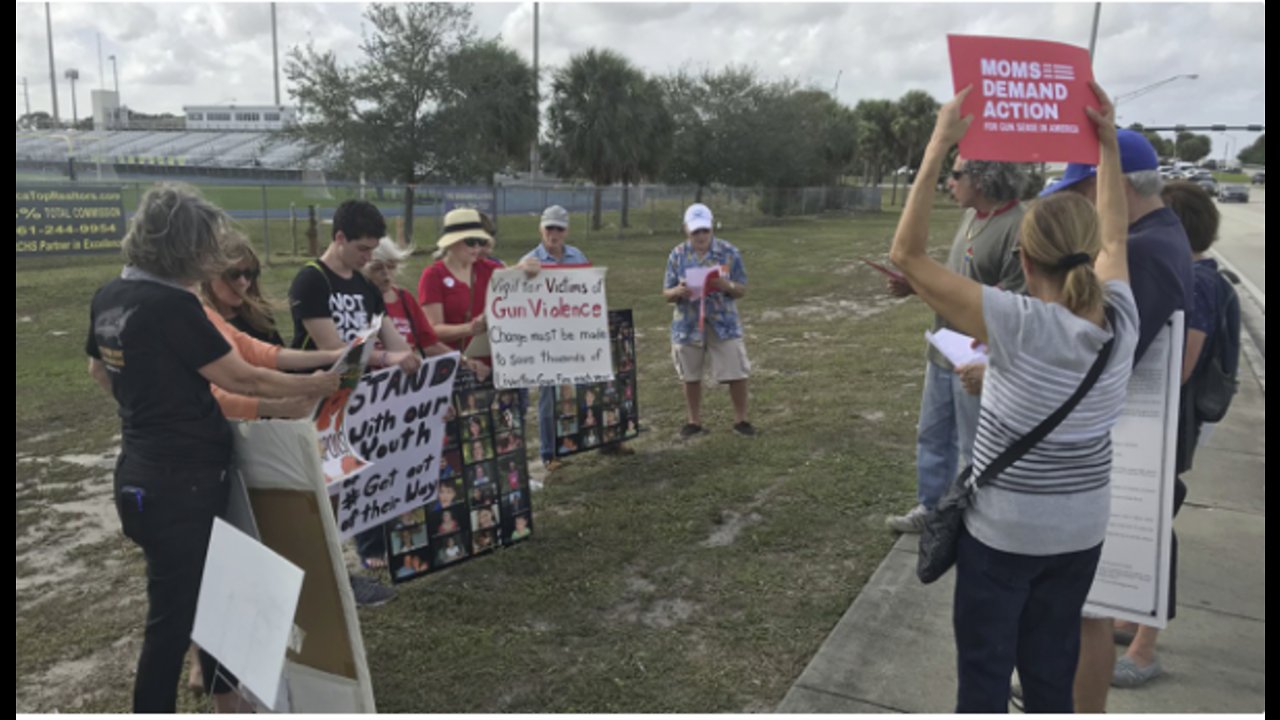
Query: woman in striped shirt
1033	536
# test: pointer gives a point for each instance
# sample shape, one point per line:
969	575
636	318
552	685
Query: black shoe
745	429
690	430
369	592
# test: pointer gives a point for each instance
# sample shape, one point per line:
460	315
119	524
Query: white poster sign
551	329
248	597
1132	582
395	422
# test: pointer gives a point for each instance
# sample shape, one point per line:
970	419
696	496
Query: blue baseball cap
1136	155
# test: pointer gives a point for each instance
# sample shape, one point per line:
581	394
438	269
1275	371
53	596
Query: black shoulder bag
942	526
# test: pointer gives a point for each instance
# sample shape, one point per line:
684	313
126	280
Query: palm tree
594	118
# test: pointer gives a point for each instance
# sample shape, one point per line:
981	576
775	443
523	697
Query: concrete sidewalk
894	650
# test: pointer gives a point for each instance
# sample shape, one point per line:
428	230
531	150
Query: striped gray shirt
1056	498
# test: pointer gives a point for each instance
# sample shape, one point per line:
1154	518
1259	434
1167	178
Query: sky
175	54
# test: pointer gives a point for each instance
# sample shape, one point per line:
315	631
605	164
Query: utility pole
1093	37
102	76
275	55
26	97
73	75
534	160
53	75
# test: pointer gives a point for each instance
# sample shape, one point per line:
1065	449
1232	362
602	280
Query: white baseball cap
697	217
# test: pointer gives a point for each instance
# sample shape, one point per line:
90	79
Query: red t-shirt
411	321
438	285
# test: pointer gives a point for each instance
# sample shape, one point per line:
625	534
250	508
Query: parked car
1208	183
1233	193
1260	178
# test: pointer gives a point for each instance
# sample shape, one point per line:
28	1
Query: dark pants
371	544
1018	610
168	510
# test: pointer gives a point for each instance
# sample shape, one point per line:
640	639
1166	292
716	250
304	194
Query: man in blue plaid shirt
710	326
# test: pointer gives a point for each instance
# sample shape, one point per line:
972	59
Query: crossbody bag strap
408	314
1024	444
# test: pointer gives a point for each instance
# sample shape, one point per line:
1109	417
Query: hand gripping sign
1028	99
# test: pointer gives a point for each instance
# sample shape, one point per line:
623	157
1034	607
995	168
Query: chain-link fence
282	211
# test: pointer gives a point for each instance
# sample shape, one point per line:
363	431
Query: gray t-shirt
1056	498
985	249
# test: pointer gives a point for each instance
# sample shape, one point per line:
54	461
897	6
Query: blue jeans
1018	610
944	441
547	422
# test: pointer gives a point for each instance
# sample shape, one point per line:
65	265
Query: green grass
619	603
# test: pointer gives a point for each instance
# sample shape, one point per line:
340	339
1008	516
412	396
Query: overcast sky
171	55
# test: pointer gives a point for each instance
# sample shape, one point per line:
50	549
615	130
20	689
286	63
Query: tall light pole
73	75
26	98
534	160
1093	36
115	75
53	74
1144	90
275	55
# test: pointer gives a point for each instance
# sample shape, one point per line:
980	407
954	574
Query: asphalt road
1242	240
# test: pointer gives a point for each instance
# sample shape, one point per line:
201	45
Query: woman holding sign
1032	537
152	346
452	291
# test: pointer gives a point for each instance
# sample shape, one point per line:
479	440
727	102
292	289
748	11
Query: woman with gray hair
985	249
153	348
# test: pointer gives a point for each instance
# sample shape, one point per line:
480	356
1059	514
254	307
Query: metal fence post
266	231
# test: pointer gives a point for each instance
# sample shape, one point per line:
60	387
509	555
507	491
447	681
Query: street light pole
1144	90
73	75
53	74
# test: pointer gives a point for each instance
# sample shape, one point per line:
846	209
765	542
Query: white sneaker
912	522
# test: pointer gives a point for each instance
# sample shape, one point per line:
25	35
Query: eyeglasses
235	274
475	242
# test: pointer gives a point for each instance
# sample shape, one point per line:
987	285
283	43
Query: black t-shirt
273	338
153	339
318	293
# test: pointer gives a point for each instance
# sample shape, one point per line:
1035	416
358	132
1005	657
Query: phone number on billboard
65	230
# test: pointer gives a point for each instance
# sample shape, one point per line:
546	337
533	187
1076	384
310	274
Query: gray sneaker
912	522
370	592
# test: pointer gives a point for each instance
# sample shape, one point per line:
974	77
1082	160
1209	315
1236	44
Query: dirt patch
731	524
832	306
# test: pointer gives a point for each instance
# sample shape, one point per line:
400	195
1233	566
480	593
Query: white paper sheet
956	347
248	598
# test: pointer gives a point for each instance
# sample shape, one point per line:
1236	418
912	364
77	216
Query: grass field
696	577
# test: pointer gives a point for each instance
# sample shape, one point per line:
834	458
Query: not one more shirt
153	337
321	293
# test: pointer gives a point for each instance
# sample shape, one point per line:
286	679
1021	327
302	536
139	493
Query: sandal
1128	674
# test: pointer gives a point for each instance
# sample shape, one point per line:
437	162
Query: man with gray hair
1162	279
985	249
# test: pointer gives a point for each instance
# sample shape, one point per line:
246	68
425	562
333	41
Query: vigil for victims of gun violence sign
1027	101
551	329
395	423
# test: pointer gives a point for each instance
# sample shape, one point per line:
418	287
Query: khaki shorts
728	359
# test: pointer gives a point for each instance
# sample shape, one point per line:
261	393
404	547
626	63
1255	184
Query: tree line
430	101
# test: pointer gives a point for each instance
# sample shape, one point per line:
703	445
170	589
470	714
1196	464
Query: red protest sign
1028	99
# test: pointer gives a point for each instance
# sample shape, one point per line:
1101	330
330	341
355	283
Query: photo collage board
591	416
483	500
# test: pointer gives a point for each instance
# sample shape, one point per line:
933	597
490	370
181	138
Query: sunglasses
475	242
235	274
957	174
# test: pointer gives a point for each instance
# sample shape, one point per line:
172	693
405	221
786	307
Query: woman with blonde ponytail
1033	533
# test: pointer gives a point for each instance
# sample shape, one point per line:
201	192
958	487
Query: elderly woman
984	249
152	346
236	295
452	291
1031	540
235	305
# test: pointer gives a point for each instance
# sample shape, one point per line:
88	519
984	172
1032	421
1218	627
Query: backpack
1215	381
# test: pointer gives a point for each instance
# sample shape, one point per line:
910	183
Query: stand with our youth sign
1028	99
395	423
551	329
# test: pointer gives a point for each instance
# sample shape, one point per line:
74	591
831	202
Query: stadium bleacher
192	149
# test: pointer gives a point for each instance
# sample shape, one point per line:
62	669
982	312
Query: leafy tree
877	142
488	114
916	115
1255	154
1192	147
595	117
379	117
1164	148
